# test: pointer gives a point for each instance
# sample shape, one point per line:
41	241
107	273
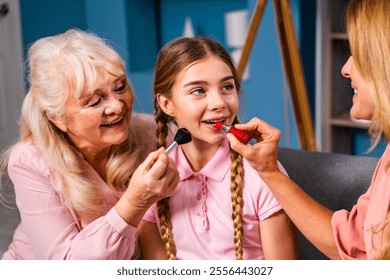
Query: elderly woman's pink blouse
49	227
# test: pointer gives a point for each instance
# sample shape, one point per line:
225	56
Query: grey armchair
334	180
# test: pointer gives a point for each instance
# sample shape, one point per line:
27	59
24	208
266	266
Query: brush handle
170	147
182	136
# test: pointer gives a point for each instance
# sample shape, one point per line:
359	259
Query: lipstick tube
243	136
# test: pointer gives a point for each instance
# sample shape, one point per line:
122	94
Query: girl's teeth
213	122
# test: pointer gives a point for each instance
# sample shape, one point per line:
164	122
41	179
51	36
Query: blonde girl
221	208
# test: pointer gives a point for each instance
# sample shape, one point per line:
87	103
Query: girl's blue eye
197	91
228	87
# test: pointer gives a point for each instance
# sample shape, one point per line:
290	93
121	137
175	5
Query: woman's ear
56	121
165	104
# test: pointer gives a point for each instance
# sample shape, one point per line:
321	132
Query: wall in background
138	28
42	18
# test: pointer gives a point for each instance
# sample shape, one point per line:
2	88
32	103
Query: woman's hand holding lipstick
242	135
263	154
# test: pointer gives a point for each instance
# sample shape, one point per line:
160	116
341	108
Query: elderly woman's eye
122	87
95	102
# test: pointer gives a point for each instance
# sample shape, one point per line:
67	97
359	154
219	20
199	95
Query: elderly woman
80	170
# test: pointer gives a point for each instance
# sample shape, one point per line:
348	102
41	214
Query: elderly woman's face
99	118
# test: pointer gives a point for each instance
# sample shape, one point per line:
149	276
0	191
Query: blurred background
139	28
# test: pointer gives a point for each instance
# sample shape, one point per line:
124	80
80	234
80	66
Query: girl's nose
346	69
216	101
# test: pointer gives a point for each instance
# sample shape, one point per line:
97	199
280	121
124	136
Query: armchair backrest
334	180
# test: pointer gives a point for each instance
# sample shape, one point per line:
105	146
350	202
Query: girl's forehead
205	69
185	71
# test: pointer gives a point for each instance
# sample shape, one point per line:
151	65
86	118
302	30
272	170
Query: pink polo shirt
354	231
201	209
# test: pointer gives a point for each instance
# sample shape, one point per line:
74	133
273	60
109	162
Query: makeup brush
182	136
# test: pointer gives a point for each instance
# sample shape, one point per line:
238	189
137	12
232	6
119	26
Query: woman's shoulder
145	126
25	149
139	119
28	155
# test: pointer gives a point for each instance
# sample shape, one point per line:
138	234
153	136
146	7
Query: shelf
339	36
335	127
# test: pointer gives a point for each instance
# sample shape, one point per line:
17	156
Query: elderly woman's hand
155	179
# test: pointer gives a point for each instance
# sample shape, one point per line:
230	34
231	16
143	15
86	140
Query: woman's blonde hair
382	233
368	25
58	67
173	58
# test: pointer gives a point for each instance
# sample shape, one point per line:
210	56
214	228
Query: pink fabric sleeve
50	229
348	229
150	215
258	192
269	204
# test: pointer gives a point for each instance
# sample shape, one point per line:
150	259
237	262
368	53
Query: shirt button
198	215
198	196
198	177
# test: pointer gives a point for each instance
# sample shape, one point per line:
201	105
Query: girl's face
204	93
363	106
99	118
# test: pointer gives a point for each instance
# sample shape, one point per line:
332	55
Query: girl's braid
237	175
163	205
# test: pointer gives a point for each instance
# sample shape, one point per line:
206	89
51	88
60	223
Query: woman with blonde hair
80	170
221	209
361	233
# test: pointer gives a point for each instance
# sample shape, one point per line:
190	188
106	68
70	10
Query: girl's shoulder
249	169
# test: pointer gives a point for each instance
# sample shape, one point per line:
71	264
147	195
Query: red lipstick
243	136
